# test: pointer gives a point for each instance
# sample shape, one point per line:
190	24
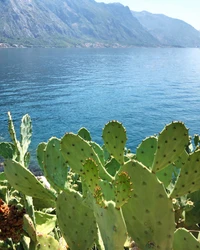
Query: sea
66	89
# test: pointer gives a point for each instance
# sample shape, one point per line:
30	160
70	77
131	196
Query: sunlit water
65	89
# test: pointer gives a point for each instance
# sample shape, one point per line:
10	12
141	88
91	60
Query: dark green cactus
7	150
85	134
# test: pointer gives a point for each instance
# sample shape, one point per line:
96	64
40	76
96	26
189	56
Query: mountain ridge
68	23
169	31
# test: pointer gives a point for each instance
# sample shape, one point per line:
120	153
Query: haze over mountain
169	31
83	23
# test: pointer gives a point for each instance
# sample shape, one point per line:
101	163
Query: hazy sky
186	10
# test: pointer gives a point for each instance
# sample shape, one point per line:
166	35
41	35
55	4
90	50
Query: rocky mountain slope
169	31
86	23
69	22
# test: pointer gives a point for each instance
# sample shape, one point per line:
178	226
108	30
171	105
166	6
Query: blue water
65	89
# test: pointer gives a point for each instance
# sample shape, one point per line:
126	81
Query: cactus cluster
105	197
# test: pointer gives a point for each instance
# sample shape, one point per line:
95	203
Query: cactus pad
123	189
76	221
184	240
55	166
114	136
40	155
26	133
90	174
29	227
24	181
146	151
46	242
85	134
111	225
172	141
76	150
7	150
149	212
189	178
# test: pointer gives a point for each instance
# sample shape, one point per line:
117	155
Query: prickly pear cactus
122	188
76	150
40	154
149	214
85	134
146	151
24	181
111	225
29	227
188	180
7	150
46	242
114	136
26	133
172	141
184	240
55	166
76	221
21	147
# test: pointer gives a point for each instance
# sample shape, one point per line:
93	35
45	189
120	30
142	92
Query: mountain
70	23
86	23
169	31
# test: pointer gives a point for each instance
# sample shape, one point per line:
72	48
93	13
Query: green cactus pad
146	151
165	175
76	150
46	242
149	214
99	197
26	133
192	217
85	134
114	136
90	174
189	178
7	150
40	154
24	181
123	189
99	151
184	240
11	130
29	227
112	166
76	221
172	141
55	166
45	223
111	225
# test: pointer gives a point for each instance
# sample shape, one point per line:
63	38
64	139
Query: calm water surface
65	89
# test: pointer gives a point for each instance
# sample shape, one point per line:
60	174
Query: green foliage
97	197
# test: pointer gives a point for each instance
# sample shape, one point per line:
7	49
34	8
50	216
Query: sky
186	10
